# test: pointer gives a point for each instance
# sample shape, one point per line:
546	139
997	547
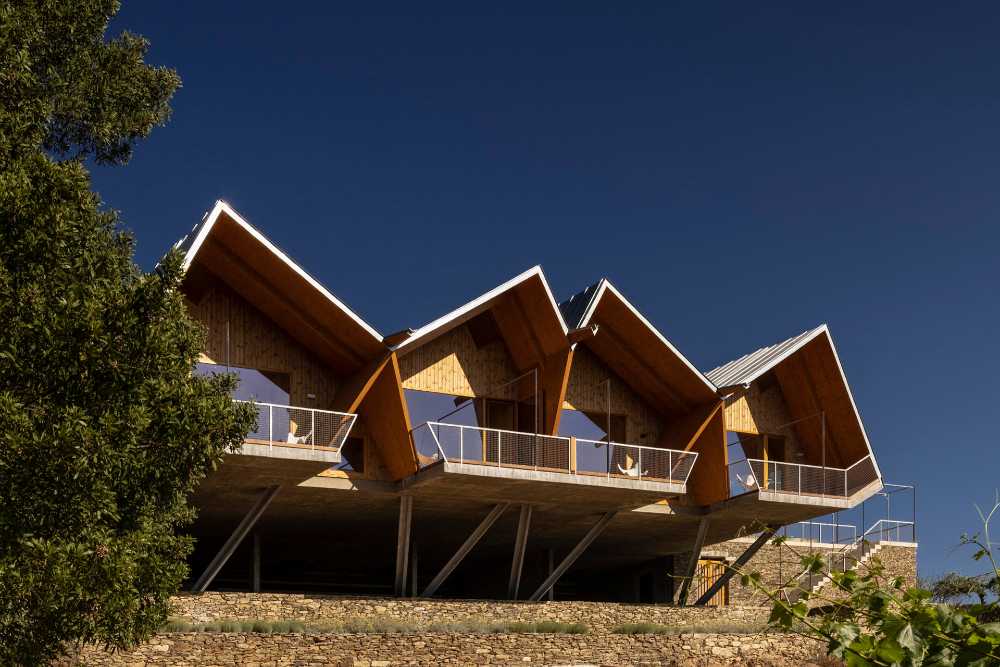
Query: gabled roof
751	366
815	350
532	278
631	345
574	308
236	251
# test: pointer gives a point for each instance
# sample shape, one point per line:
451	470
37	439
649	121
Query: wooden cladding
587	391
240	335
453	364
761	410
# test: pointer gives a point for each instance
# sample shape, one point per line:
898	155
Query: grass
375	625
647	628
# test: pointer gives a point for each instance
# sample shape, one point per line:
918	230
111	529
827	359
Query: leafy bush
874	620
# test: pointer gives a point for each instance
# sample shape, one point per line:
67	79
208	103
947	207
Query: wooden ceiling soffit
799	393
845	432
295	284
554	380
624	360
300	325
522	345
682	434
387	421
613	310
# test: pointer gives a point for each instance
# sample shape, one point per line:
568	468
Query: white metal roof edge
864	432
804	338
605	285
480	301
222	206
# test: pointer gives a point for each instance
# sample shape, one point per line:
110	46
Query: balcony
800	483
289	432
515	456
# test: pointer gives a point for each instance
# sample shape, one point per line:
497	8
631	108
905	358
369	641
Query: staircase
849	558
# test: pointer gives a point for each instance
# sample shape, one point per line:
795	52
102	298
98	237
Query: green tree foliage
868	618
954	587
104	431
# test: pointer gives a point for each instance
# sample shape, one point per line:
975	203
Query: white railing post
270	426
800	480
499	450
640	464
461	444
312	430
670	465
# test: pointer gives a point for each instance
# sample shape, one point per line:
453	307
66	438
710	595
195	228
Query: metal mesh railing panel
300	427
633	461
860	475
801	479
513	449
469	444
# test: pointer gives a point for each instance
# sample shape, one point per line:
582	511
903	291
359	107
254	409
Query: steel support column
577	551
520	544
403	544
255	565
464	550
740	562
692	566
244	527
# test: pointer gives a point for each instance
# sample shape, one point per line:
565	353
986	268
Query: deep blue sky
741	172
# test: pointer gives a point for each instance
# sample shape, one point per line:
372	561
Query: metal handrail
325	426
835	529
538	451
877	528
677	460
830	485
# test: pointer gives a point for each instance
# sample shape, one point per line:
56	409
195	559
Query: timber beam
577	551
732	569
692	566
403	544
464	550
520	544
244	528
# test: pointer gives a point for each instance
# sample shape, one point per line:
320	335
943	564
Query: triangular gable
232	249
525	309
628	343
815	351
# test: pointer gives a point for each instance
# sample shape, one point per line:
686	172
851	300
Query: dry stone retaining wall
600	617
250	650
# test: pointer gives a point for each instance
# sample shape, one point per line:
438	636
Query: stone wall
600	617
900	560
777	564
251	650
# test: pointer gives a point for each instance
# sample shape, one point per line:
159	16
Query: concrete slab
277	451
492	483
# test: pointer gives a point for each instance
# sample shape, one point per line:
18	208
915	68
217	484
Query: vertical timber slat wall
587	390
452	364
256	342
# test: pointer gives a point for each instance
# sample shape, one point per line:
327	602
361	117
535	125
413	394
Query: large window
428	406
591	425
273	424
254	384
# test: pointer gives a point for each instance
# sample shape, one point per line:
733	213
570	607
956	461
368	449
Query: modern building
510	448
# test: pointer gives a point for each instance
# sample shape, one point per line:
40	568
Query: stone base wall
251	650
900	560
776	564
600	617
